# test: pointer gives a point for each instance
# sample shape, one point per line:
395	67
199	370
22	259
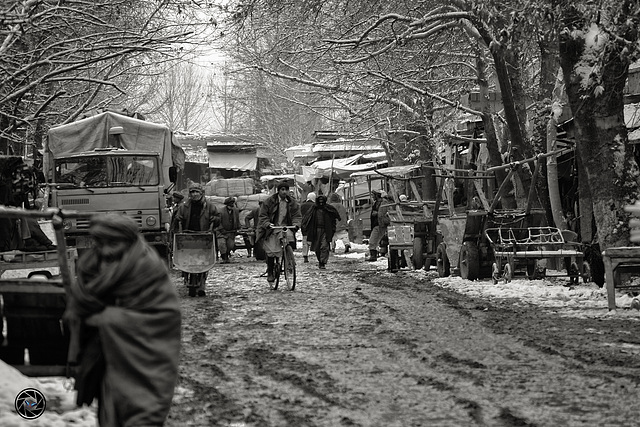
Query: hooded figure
125	320
319	224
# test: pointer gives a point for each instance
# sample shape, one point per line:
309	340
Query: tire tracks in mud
358	346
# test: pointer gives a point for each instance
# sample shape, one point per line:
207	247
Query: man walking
197	214
320	224
228	228
342	227
304	208
280	210
375	236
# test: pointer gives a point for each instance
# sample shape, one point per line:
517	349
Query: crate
400	234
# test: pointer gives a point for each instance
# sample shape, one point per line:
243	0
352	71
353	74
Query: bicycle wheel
277	267
289	268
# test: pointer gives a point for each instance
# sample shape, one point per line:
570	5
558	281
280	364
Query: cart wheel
442	261
531	269
574	273
586	272
495	273
469	261
393	261
508	273
418	257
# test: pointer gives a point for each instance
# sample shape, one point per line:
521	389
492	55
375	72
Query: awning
393	171
233	161
299	151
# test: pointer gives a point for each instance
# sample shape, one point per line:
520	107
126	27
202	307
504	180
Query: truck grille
83	224
74	202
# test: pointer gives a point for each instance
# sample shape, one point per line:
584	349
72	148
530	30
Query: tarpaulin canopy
342	168
93	132
393	171
299	151
233	160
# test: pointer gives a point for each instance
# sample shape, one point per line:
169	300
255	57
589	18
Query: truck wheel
469	261
442	261
418	257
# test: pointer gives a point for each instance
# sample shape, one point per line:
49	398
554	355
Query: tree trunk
493	148
602	139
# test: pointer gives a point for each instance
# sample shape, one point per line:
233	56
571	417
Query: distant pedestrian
125	319
342	227
253	215
375	236
320	225
304	208
228	228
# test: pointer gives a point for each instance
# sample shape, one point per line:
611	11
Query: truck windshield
108	171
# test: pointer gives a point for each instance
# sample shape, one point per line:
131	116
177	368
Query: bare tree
62	58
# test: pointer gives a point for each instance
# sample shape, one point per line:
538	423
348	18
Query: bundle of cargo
230	187
244	203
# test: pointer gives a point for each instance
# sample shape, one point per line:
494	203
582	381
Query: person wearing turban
279	209
197	214
319	225
228	228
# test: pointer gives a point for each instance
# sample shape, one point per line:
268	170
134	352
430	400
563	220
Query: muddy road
355	345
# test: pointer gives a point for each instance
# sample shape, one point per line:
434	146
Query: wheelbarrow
194	253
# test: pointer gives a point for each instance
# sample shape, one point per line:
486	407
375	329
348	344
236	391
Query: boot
306	258
373	255
248	252
225	259
270	266
347	248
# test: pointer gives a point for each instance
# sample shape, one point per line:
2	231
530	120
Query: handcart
194	253
518	249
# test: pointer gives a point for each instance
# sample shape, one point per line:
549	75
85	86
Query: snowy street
357	345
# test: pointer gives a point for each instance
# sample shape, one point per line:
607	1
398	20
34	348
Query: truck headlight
151	221
66	224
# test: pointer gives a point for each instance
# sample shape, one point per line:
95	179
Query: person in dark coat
304	208
376	235
280	210
125	319
197	214
319	224
228	228
254	215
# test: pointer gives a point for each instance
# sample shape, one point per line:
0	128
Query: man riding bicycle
279	210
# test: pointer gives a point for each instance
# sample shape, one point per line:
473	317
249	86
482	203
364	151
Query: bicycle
287	263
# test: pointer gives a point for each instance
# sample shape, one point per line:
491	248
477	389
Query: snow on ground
61	409
584	300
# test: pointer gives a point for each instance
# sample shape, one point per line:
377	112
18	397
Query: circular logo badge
30	403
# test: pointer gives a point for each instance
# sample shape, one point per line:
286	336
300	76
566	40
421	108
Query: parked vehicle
111	163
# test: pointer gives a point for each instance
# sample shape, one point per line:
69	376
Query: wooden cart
32	307
522	249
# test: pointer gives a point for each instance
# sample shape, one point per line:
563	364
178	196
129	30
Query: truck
113	163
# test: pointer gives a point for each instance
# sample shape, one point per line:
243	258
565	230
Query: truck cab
112	180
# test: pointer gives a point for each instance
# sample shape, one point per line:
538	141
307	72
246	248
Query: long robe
130	343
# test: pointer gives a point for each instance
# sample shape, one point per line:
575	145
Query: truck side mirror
173	174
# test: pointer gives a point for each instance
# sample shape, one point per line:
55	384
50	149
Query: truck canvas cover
92	132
